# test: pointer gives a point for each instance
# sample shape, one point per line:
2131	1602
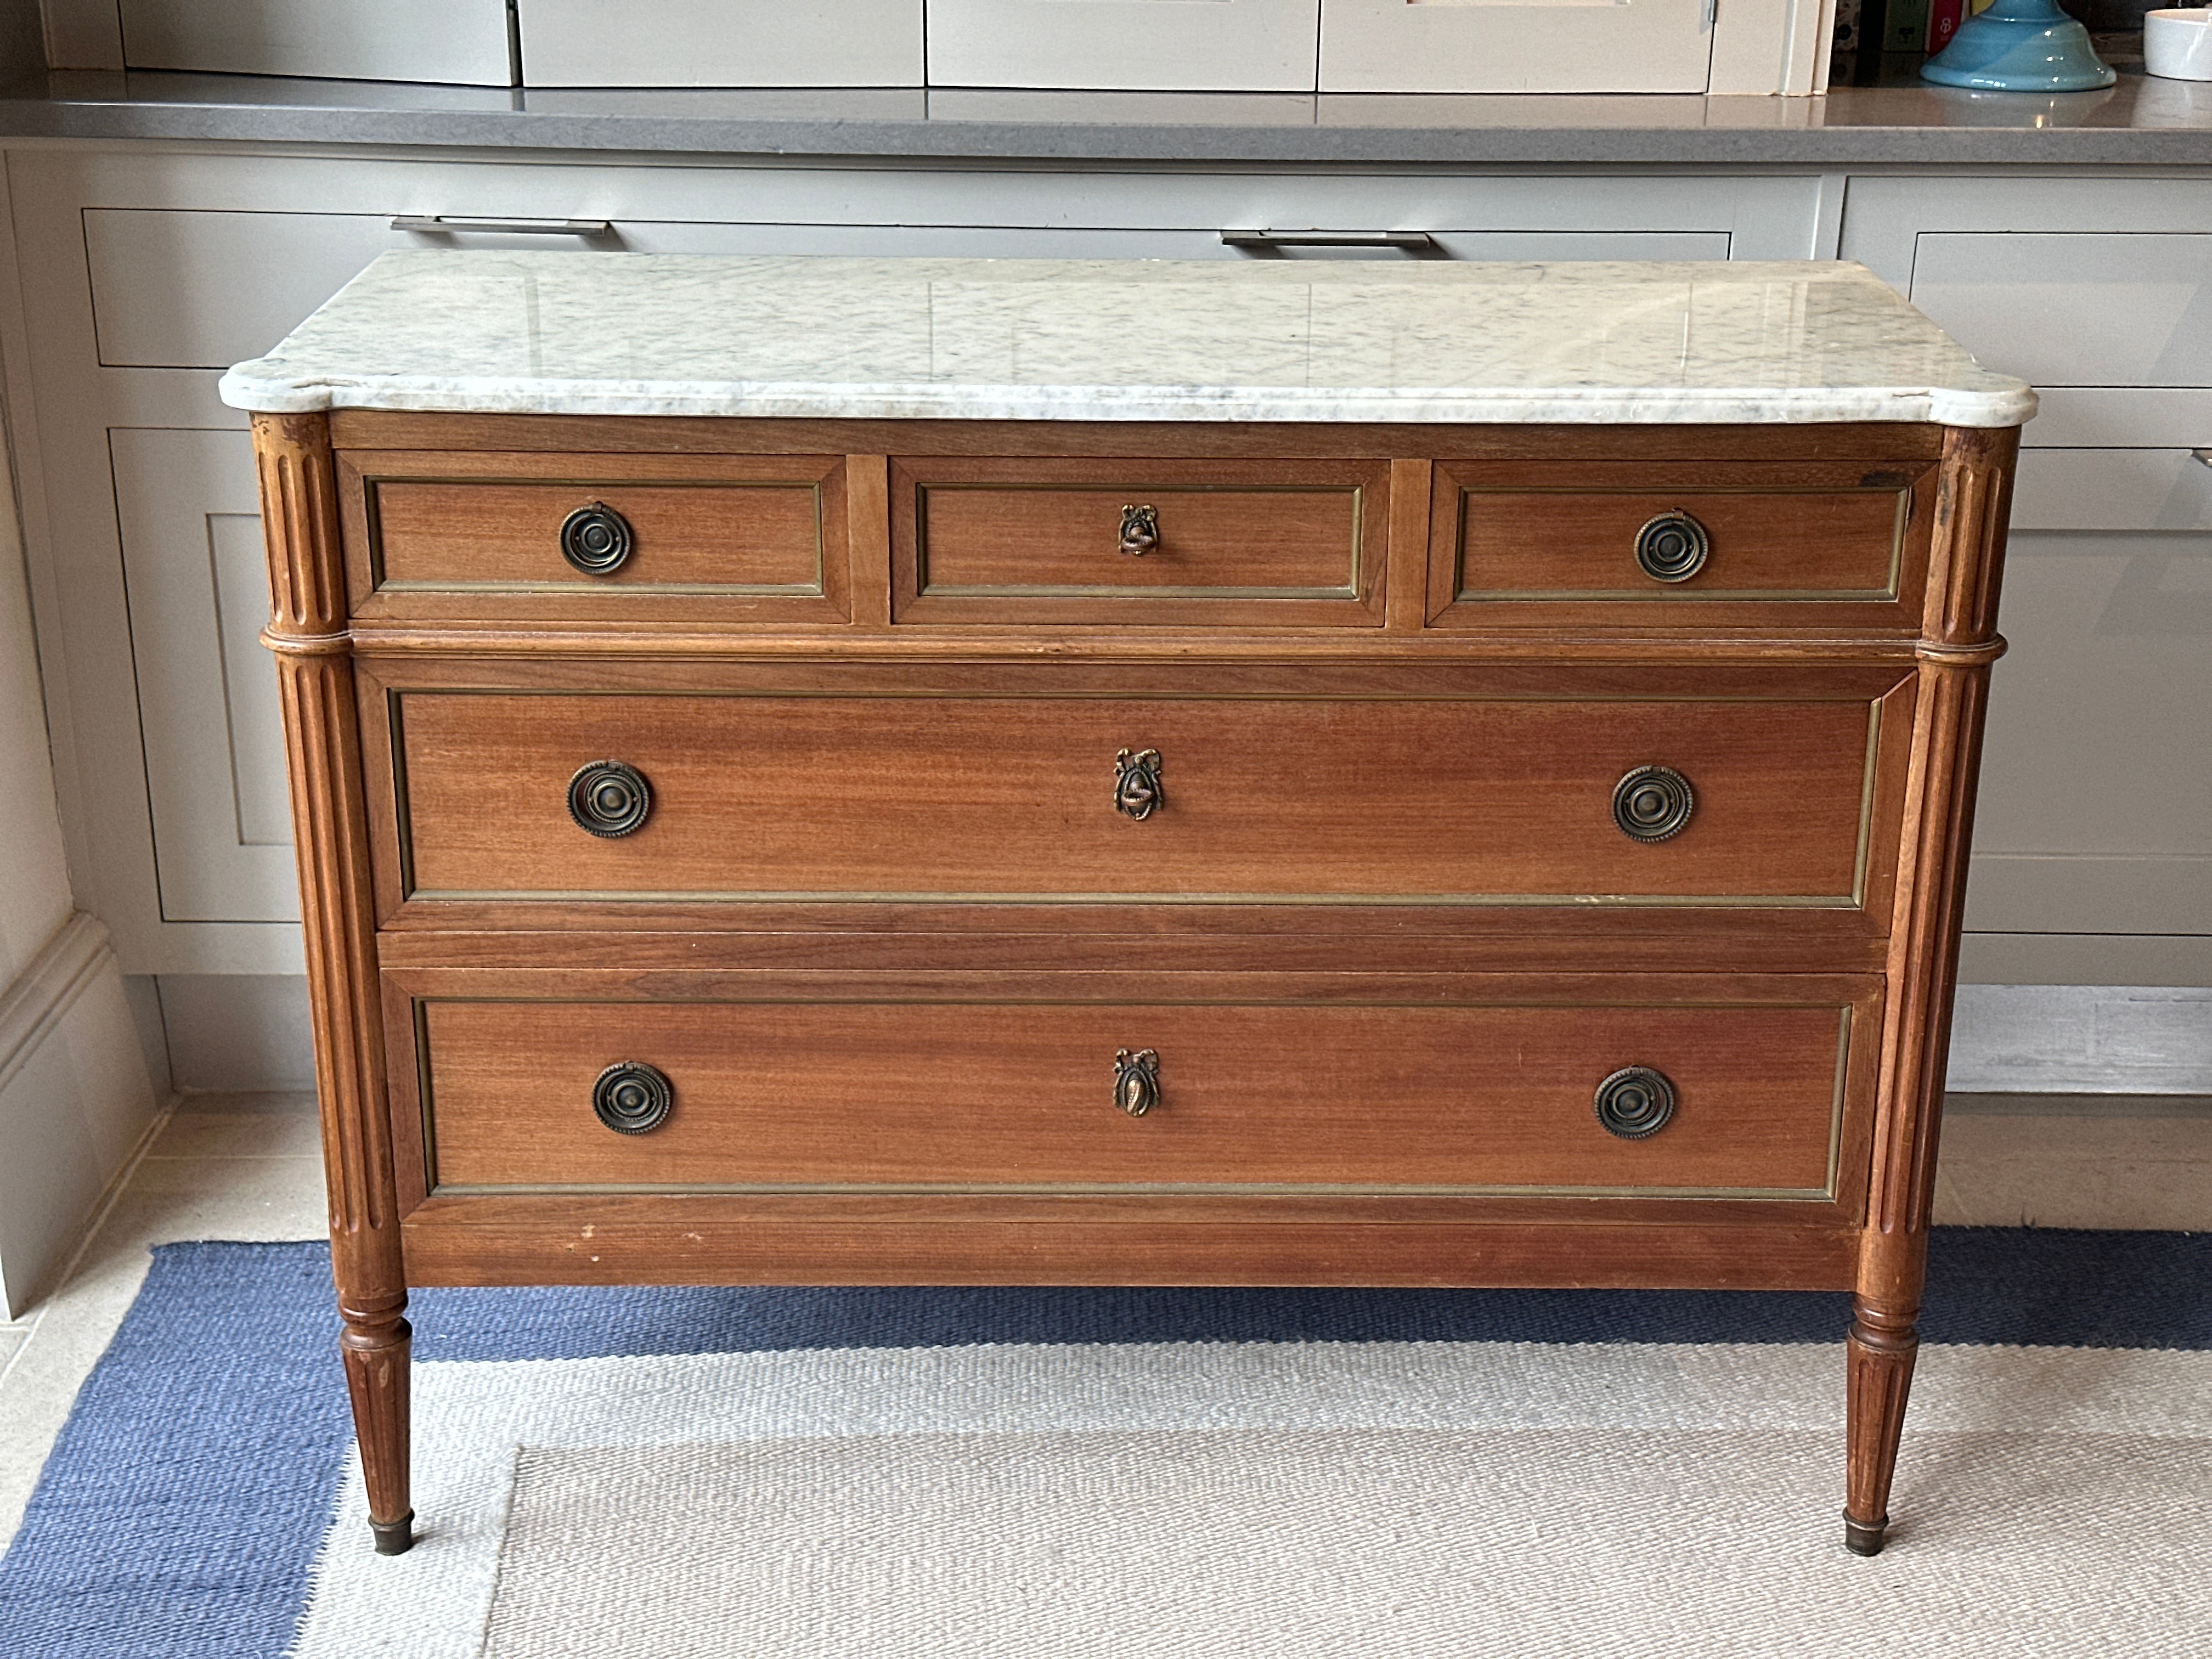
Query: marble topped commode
974	339
831	771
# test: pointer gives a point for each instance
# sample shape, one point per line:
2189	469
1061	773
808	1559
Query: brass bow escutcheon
1136	1080
1137	792
1140	530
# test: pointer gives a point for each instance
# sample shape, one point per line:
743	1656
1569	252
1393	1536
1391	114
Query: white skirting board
75	1102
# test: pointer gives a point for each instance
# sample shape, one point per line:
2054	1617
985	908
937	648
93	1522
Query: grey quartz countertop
2142	121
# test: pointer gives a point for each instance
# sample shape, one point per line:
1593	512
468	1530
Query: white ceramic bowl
2178	45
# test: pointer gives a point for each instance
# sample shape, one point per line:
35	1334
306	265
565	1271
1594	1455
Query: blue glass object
2019	46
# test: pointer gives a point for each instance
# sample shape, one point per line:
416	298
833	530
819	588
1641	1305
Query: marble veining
1149	340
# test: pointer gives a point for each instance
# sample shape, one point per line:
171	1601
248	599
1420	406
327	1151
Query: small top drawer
1829	544
475	535
1229	542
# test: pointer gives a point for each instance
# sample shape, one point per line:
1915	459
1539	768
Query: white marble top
1125	340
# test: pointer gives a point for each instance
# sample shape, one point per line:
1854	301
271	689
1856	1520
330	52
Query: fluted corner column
1959	642
329	820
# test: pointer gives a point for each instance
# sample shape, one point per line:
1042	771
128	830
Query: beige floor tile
239	1134
167	1200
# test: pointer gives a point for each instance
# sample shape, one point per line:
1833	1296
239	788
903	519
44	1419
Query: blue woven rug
184	1504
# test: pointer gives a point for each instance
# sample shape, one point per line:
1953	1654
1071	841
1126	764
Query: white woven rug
1283	1499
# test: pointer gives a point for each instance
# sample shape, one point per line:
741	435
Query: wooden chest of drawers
764	848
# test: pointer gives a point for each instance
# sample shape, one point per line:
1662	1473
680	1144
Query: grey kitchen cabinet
2094	828
145	273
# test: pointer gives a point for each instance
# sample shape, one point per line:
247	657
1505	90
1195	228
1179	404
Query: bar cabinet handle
1653	803
1635	1103
444	224
633	1098
1136	1080
1406	238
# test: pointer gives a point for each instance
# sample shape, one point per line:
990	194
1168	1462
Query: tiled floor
247	1167
222	1167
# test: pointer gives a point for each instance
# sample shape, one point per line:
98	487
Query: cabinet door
1514	46
1148	46
463	42
720	43
207	691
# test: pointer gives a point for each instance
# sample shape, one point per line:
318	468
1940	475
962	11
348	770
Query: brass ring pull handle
1136	1080
1140	530
597	540
1672	547
633	1098
609	799
1636	1102
1137	792
1653	803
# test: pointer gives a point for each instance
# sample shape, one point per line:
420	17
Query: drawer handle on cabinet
1635	1102
1672	547
597	540
1136	1080
1412	240
1137	792
443	224
633	1098
1653	803
609	799
1140	530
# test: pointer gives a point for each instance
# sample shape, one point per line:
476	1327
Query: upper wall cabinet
1516	45
1150	46
463	42
730	43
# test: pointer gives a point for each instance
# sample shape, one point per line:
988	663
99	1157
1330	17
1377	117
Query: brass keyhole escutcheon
1137	792
1136	1080
1140	530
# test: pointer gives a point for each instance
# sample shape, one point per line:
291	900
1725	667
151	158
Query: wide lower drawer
474	535
1182	800
1622	1098
1144	542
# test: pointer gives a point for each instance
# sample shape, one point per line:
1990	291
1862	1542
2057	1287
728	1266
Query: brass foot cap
1864	1537
394	1537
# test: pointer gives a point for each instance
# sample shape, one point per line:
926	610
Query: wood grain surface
1793	543
741	539
1261	543
981	1095
943	799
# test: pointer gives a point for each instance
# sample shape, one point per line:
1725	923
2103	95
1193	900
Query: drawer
2113	489
553	536
1027	799
2073	308
1239	543
978	1096
1757	544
